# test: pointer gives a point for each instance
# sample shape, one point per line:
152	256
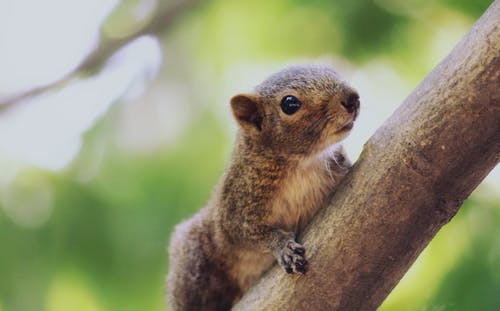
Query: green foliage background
104	245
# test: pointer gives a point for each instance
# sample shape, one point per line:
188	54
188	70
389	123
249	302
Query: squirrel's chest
301	194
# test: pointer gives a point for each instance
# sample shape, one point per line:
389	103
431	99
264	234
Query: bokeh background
115	125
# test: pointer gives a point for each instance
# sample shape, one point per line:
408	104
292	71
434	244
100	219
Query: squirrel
285	165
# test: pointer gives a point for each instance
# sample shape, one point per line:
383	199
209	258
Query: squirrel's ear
247	112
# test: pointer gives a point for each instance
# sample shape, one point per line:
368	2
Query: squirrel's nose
352	103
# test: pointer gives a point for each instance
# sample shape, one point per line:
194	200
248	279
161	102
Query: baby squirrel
286	162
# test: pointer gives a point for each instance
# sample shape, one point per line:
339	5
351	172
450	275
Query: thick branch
410	180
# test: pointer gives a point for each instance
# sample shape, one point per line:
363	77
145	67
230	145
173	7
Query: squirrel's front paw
291	257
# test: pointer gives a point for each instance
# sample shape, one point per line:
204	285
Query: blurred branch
411	179
162	20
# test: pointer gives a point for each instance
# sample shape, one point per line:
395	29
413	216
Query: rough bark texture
411	179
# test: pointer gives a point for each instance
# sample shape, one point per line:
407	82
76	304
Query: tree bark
410	180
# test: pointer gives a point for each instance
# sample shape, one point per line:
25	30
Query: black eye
290	104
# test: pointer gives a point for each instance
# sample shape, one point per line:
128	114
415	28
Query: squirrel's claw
292	258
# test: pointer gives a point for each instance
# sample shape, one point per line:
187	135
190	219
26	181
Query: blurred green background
102	161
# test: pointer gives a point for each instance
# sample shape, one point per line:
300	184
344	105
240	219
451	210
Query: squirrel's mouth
347	127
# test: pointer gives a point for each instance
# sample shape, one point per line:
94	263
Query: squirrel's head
300	110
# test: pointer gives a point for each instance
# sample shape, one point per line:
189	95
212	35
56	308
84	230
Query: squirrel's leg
341	162
289	254
196	280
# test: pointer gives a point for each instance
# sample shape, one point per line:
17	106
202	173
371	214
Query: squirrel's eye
290	104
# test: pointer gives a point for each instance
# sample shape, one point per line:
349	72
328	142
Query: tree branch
163	18
411	179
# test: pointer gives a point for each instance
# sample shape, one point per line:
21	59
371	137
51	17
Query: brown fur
283	168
